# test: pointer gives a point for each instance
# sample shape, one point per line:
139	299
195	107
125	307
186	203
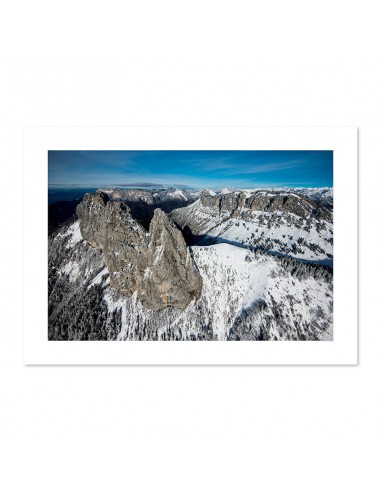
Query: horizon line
161	185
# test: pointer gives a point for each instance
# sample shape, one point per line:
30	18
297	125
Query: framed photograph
190	245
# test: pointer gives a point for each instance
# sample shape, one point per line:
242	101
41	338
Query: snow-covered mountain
227	190
143	203
282	222
245	295
322	195
256	267
159	196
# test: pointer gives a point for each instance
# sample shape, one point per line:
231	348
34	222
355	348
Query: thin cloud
193	168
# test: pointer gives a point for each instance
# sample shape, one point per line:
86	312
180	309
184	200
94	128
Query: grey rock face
266	201
93	206
279	221
125	248
209	200
171	277
156	265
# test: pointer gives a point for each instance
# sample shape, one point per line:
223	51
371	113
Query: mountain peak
227	190
208	192
156	265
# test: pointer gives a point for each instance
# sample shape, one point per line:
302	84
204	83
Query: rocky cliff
266	201
156	265
277	221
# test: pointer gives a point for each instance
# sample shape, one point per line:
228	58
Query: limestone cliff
157	265
267	201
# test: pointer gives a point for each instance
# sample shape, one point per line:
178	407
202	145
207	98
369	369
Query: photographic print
190	245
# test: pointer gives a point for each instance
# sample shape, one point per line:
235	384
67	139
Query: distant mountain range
141	201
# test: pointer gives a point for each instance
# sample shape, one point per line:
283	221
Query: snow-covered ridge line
323	195
283	223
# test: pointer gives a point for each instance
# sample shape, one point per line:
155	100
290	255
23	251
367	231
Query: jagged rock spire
155	264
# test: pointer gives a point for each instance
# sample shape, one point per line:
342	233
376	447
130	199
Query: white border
37	142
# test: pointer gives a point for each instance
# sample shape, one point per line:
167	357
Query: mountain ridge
113	278
283	223
156	264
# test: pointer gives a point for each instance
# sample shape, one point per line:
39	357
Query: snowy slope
227	190
324	195
278	232
241	292
237	281
246	295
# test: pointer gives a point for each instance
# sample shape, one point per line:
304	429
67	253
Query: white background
142	429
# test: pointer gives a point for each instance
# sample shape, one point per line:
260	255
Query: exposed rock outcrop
171	277
91	212
283	222
157	265
267	201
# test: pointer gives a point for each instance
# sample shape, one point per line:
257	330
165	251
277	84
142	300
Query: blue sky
198	169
